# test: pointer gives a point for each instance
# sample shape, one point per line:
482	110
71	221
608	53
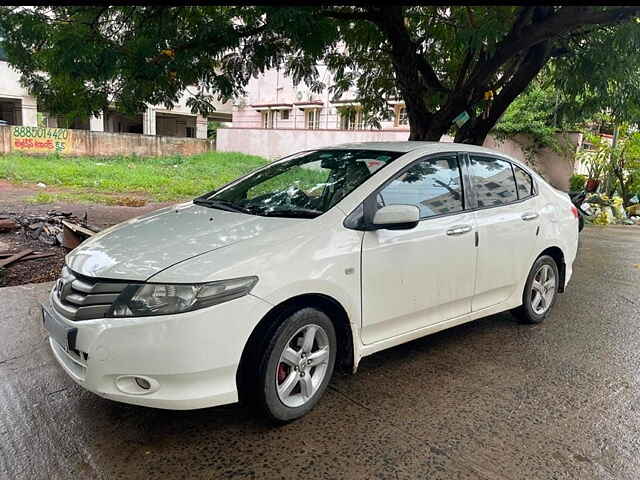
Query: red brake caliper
282	372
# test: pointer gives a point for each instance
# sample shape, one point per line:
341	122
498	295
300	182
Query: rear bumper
189	359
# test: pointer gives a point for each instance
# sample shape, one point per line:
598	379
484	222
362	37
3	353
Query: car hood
141	247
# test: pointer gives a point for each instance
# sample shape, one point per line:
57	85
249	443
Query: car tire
540	291
296	365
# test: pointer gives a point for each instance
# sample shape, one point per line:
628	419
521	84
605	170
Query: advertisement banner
40	140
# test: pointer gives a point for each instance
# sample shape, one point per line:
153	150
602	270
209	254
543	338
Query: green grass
157	178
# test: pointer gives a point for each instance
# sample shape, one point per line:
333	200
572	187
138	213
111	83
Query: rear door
507	220
418	277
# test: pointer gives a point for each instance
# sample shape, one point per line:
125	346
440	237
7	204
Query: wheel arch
557	254
245	379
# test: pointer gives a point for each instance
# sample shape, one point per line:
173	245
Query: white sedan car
258	290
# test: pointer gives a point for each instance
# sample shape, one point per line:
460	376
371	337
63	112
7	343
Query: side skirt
436	327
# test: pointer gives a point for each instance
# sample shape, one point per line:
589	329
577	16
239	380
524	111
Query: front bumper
190	359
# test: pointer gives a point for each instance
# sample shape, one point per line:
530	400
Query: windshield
303	186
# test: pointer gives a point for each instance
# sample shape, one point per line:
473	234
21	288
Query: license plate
59	331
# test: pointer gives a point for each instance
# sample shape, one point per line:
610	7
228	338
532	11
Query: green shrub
577	182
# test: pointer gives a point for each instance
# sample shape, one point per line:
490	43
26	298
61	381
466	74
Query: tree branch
476	130
555	25
391	22
349	15
463	68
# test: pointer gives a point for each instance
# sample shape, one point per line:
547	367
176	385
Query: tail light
574	210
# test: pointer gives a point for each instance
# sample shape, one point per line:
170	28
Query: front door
507	220
419	277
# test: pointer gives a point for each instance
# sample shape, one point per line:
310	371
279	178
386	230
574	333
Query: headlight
146	299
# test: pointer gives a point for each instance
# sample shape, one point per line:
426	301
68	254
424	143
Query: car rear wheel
297	364
540	291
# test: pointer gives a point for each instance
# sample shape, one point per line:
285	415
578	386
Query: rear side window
524	183
433	185
493	181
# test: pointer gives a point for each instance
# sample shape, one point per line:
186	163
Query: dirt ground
14	201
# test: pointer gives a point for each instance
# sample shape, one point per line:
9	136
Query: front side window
284	114
493	181
433	185
524	183
304	186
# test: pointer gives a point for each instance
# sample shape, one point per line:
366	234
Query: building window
312	118
401	116
190	132
351	119
284	114
267	119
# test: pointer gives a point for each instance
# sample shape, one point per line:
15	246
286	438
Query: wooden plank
31	256
13	258
37	255
78	228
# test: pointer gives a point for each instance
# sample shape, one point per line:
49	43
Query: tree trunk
414	76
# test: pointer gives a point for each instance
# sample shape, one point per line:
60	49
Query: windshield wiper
221	205
293	213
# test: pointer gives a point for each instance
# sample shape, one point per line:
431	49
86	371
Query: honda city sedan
258	290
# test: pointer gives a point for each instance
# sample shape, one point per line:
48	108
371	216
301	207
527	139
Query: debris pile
53	229
33	247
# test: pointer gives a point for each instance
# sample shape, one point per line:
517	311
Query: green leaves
439	59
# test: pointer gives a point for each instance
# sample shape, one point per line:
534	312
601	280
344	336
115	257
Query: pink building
274	102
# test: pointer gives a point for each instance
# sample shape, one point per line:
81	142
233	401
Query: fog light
142	383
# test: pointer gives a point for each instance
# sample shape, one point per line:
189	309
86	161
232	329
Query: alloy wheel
543	289
302	366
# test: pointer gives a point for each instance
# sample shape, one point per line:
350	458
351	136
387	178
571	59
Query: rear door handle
459	230
529	216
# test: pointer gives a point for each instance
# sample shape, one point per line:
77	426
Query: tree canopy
441	60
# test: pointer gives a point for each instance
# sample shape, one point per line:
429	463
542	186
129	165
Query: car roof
412	146
427	148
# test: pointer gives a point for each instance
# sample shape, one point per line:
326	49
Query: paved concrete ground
490	400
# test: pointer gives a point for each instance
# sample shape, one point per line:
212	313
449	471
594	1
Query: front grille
77	297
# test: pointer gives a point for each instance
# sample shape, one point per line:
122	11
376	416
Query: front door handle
459	230
529	216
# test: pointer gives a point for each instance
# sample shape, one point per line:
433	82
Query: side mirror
396	217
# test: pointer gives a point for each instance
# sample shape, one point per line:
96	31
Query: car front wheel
540	291
297	364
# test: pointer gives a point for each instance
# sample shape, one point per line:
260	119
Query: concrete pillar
96	124
29	114
201	127
149	121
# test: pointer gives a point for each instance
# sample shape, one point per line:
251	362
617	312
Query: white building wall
25	112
